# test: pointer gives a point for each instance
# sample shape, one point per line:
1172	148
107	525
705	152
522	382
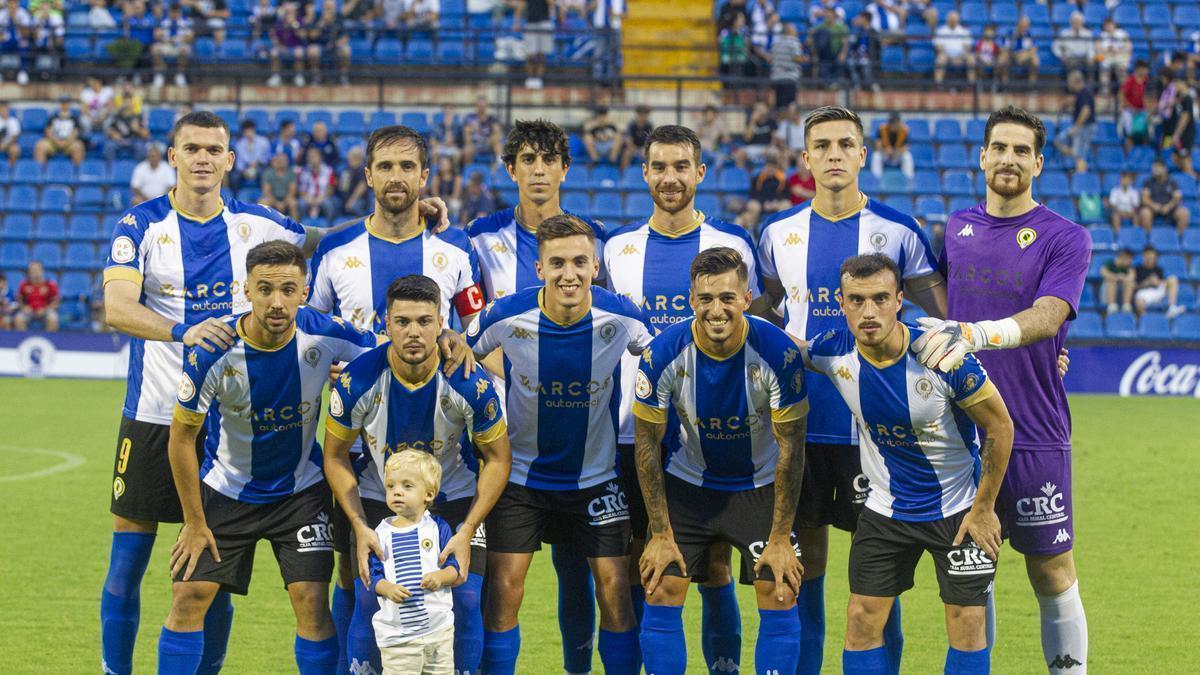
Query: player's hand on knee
185	553
455	352
780	557
459	546
433	208
210	334
659	553
983	526
1064	362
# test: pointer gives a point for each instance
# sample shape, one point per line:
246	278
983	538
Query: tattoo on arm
986	461
789	473
648	439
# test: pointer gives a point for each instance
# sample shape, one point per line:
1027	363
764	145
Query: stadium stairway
668	37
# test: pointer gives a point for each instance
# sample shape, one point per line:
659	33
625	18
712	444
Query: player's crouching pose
414	571
737	384
261	475
398	397
932	487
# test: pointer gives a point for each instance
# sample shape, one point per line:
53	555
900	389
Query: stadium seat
235	51
89	199
17	227
1131	238
382	118
638	205
1064	206
286	115
77	48
1085	183
734	179
350	122
1186	327
249	194
867	182
50	227
1187	17
27	171
1187	297
894	183
1154	326
575	202
91	172
918	130
793	11
314	116
34	119
1103	238
389	51
418	121
451	52
1054	184
121	171
261	119
1110	158
55	199
230	116
957	184
22	198
1002	12
49	254
59	171
1165	240
709	205
960	204
81	256
1174	265
1127	16
75	284
419	51
1187	184
81	227
948	131
1154	17
891	58
118	198
953	156
1120	325
931	208
631	178
606	177
1087	326
922	154
1191	241
14	255
921	58
160	121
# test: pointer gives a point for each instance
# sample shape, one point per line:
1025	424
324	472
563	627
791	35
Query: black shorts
594	519
454	512
701	517
375	511
834	488
142	485
297	527
639	522
885	552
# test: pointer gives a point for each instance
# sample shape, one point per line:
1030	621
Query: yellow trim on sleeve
649	413
917	284
340	430
493	433
981	394
791	413
117	272
192	418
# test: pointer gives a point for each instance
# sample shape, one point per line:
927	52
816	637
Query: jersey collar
690	228
192	216
393	240
246	338
833	218
890	362
699	339
542	307
411	386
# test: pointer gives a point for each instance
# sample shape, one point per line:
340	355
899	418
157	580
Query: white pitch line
70	461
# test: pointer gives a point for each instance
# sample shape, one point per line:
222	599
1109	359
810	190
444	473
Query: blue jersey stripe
966	430
721	414
526	257
275	387
666	275
563	398
410	416
389	260
830	243
133	388
205	251
212	440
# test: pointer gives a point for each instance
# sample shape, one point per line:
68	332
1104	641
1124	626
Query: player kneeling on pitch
415	624
261	476
734	473
933	488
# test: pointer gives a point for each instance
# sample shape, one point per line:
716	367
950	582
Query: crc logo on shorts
187	390
641	385
610	507
336	408
1044	509
862	487
479	539
969	560
316	536
756	548
123	250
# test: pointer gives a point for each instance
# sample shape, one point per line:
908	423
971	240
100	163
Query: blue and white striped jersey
561	394
804	249
654	270
262	406
395	414
190	268
351	271
725	405
918	448
409	554
507	252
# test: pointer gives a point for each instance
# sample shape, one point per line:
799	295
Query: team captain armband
649	413
469	301
489	435
790	413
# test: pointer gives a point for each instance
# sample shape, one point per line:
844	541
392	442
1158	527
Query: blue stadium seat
235	51
1106	133
249	194
1191	241
1132	238
345	143
960	204
451	52
1174	265
894	183
918	130
1186	183
55	199
59	171
1120	325
27	170
17	227
382	118
709	205
1140	158
22	198
1063	206
607	177
734	179
78	48
1187	17
261	119
315	116
1061	14
1194	272
230	116
34	119
351	123
926	182
51	227
631	178
81	256
793	11
638	205
121	171
921	58
82	227
953	156
931	208
1085	183
1109	158
948	131
575	202
922	153
1165	240
1087	326
1102	238
286	114
1054	184
89	199
389	51
891	59
1186	327
1003	12
1154	326
419	51
49	254
160	121
957	184
91	172
14	255
418	121
1127	16
75	284
1153	16
867	182
1187	296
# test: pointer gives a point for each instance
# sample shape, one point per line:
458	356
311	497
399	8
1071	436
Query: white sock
989	614
1064	632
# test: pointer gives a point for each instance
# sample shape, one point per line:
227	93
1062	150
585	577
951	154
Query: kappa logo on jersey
193	361
345	380
756	548
352	263
1026	236
793	239
844	373
481	388
499	247
681	373
520	333
641	385
1044	510
967	230
789	356
128	219
186	389
646	356
165	240
123	249
479	539
1062	537
612	506
336	407
969	560
316	536
724	664
230	371
629	249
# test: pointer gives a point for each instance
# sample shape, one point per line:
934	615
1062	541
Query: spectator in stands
478	200
10	134
801	184
789	135
172	40
860	56
252	154
49	29
727	14
892	149
37	300
125	132
328	36
606	34
482	133
152	177
128	95
953	44
1162	200
1113	53
926	10
62	135
635	136
886	19
1179	127
99	17
1074	46
769	187
713	137
139	24
16	31
758	132
817	10
447	183
1123	202
208	18
95	103
786	57
1076	141
748	211
830	43
602	137
1134	124
734	49
8	303
359	15
987	56
319	139
1154	285
287	143
287	42
765	27
353	190
263	17
1019	50
1118	280
316	185
444	136
279	186
538	37
421	16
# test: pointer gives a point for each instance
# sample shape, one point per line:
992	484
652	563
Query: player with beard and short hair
649	262
1015	271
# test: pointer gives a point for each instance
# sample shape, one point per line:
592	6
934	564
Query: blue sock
360	636
500	651
468	625
120	600
620	653
316	658
576	607
637	595
893	639
179	653
778	647
810	607
218	621
868	662
721	628
663	644
342	609
968	663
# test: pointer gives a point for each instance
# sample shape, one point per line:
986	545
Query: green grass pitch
1135	480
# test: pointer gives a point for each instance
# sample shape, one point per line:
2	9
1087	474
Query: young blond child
415	623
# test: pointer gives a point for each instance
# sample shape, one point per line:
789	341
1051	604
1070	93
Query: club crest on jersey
481	388
444	402
473	329
187	389
123	249
312	356
608	332
243	230
1026	236
491	411
440	261
924	387
798	381
118	487
755	373
642	386
878	241
336	407
970	383
426	544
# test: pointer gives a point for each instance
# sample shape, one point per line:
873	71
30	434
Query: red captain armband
469	301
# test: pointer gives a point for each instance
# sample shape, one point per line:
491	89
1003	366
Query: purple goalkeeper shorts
1034	504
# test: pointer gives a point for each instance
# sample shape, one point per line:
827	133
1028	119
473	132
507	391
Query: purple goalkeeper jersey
997	267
